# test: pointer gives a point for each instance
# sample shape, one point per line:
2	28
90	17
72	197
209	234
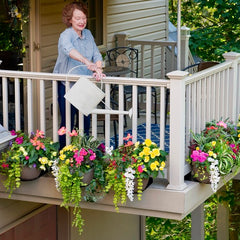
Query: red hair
67	12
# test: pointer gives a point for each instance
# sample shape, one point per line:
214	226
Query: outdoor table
115	71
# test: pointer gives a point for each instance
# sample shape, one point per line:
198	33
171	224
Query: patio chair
127	58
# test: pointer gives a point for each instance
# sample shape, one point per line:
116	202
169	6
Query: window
95	20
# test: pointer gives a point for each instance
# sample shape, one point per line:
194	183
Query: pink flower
92	157
127	137
73	133
62	131
222	124
78	158
27	157
90	151
83	152
198	155
39	134
13	133
140	168
19	140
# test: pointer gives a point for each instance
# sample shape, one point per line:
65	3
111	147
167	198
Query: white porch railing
212	93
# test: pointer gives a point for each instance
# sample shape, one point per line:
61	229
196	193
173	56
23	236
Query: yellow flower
148	142
197	148
213	143
67	162
156	151
153	166
146	150
214	155
141	154
137	144
43	160
146	159
210	153
54	154
62	156
239	135
163	164
161	168
152	155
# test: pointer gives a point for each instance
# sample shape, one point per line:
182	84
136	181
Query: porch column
222	222
197	230
185	35
177	130
121	39
235	84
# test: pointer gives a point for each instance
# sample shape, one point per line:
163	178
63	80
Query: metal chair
127	58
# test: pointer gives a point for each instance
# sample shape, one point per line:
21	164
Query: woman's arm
74	54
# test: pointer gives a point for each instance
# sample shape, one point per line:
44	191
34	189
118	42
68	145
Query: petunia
62	131
127	137
222	124
19	140
13	133
83	152
140	168
73	133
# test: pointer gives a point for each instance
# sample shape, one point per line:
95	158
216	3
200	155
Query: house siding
139	19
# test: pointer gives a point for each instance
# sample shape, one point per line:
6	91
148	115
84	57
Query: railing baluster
55	110
17	104
120	118
68	114
162	117
107	116
29	105
42	106
134	116
148	112
5	101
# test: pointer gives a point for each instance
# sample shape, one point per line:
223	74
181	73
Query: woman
76	47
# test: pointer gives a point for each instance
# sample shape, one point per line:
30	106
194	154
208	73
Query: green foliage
215	26
159	228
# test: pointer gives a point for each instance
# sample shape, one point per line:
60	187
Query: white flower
55	171
109	150
214	174
129	175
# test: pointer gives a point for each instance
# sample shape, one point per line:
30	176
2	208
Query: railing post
233	76
121	39
185	35
177	130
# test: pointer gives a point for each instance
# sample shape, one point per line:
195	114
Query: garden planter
145	182
88	176
200	174
28	173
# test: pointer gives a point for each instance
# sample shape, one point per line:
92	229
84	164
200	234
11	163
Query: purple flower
101	147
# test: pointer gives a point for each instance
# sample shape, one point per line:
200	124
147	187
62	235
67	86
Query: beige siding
50	27
139	19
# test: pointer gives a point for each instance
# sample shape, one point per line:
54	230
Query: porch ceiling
157	200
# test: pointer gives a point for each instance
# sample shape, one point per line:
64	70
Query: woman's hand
98	75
